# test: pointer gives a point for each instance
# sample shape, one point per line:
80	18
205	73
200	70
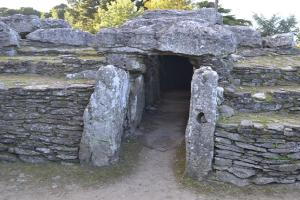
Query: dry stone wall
265	76
40	124
48	65
281	100
253	153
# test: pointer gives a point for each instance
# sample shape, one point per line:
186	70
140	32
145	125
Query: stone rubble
23	24
9	40
285	40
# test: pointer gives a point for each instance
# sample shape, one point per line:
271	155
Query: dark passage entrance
164	125
175	73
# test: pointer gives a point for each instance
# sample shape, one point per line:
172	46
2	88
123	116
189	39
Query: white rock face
246	36
201	125
23	24
259	96
54	23
104	118
9	39
62	36
285	40
191	33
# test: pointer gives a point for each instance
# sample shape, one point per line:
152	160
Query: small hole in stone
201	118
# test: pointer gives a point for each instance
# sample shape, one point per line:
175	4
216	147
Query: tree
58	12
117	13
228	18
82	13
167	4
23	10
276	24
216	4
45	15
29	11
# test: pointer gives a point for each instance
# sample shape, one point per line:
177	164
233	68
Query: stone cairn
70	96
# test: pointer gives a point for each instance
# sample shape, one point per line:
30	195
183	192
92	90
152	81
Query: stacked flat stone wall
253	153
42	124
266	76
68	65
280	100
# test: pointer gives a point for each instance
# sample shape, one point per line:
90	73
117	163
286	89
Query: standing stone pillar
136	105
201	125
136	67
104	117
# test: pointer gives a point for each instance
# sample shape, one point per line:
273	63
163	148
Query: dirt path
154	178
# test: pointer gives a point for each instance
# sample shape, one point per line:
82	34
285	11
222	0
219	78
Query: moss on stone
48	59
269	97
73	50
23	80
95	57
274	61
263	118
269	89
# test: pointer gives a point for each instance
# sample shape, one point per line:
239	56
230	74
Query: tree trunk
216	4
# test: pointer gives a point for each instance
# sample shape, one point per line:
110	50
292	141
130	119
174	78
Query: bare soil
154	177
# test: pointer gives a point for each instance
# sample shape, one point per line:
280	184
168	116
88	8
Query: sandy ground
154	178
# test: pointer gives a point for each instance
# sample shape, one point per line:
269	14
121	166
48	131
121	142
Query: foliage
227	17
117	13
45	15
24	11
82	13
167	4
276	24
89	5
58	12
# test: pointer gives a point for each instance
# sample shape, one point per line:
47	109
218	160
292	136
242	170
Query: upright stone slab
136	105
104	118
201	124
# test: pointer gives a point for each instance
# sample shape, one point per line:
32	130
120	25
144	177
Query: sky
241	8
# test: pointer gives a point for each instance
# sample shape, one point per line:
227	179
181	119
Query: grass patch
34	59
58	50
64	175
282	157
96	57
269	97
23	80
